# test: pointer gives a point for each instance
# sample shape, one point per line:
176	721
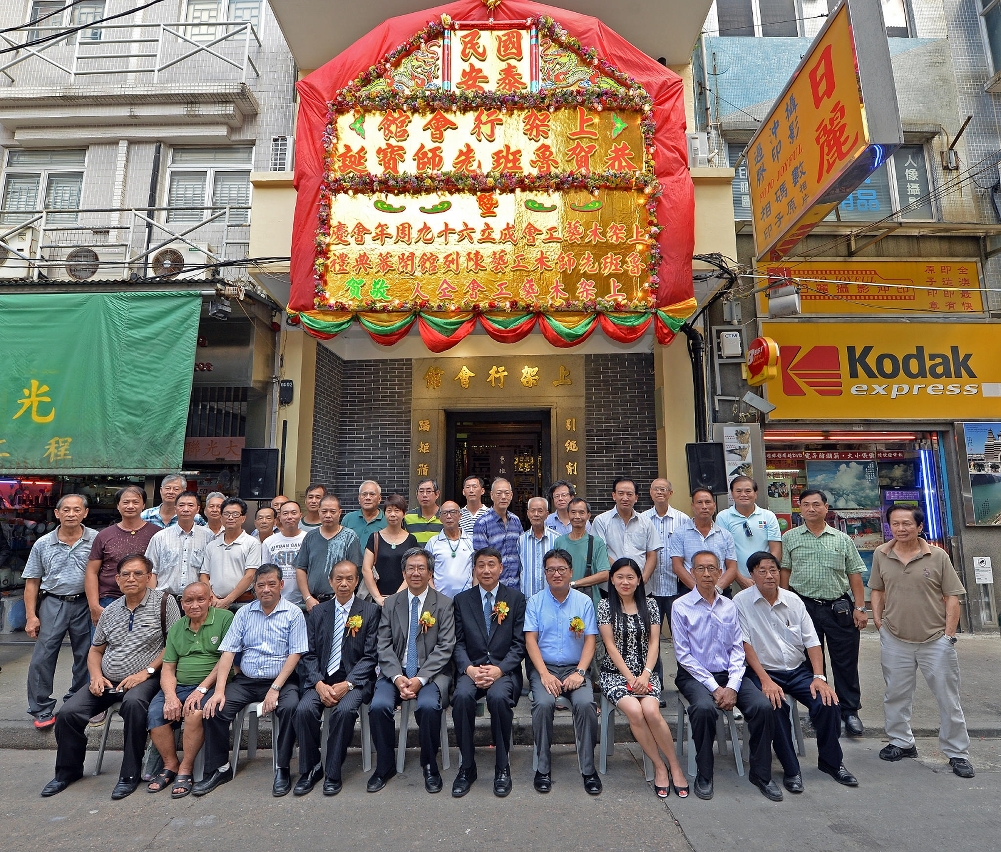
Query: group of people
320	617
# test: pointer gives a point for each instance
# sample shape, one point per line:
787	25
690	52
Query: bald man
453	552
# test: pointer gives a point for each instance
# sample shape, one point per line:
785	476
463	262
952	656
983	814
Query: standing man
231	559
337	672
560	637
369	518
587	551
665	519
321	550
489	648
265	523
535	543
416	639
55	604
710	650
753	529
315	492
278	502
701	532
626	533
282	548
820	563
165	514
472	490
500	529
271	635
177	553
213	511
784	656
561	493
915	604
424	524
452	551
124	664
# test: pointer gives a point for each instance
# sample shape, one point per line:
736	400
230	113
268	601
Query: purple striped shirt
707	639
490	531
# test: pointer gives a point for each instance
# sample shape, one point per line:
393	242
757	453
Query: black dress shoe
793	783
839	774
854	726
331	786
125	787
592	784
543	782
703	787
894	753
377	781
502	781
962	767
432	778
307	781
283	783
769	789
56	785
207	785
463	782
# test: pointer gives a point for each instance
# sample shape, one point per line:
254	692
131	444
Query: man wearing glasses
424	524
701	532
754	529
502	530
231	559
369	518
453	553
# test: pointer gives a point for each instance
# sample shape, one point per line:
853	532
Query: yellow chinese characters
529	376
58	448
32	399
465	374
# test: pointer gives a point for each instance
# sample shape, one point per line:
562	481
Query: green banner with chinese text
96	382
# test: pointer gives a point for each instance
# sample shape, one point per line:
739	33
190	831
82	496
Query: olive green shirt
820	564
578	553
196	653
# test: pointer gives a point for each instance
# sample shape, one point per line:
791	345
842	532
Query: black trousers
381	716
702	713
71	727
842	638
240	692
308	719
501	697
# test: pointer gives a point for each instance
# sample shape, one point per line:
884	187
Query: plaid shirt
490	531
820	564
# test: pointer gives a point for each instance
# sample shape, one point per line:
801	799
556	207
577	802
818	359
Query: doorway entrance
514	445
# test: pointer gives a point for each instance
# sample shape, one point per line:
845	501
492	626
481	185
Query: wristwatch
150	671
952	639
573	584
820	677
860	609
350	685
582	673
202	690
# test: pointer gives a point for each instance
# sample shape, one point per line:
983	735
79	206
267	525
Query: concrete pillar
299	364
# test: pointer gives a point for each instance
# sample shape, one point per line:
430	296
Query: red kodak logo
819	369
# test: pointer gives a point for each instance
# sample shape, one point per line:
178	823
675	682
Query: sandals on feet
162	781
680	792
182	786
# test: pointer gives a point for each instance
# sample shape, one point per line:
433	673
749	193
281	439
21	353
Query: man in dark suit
338	672
416	638
489	648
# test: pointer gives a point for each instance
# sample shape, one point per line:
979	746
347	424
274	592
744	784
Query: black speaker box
706	467
258	473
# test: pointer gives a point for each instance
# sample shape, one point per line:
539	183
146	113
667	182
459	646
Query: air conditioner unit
698	150
83	263
23	242
182	261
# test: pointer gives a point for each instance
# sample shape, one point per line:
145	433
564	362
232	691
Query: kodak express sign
885	371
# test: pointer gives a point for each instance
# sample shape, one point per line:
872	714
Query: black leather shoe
125	787
463	782
592	784
703	787
502	781
854	726
283	783
894	753
962	767
56	785
793	783
769	789
377	781
307	781
207	785
432	778
543	782
839	774
331	786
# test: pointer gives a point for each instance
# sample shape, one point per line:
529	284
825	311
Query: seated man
124	664
489	648
560	631
186	679
710	652
416	638
783	653
271	634
337	671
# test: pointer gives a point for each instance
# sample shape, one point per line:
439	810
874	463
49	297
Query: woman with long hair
629	623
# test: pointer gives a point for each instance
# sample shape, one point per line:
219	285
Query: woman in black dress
382	566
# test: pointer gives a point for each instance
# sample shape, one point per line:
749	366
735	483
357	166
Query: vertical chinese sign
96	383
494	172
834	124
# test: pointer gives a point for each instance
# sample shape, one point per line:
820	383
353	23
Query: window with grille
203	180
208	12
37	179
52	14
281	149
217	412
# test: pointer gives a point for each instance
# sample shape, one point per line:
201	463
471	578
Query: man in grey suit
416	638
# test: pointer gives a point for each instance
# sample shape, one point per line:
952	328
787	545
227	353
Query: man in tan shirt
915	605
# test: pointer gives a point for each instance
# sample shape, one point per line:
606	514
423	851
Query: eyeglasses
368	494
131	575
230	516
502	493
705	569
557	570
449	512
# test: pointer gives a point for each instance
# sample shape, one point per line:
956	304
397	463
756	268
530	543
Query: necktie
488	610
412	641
335	647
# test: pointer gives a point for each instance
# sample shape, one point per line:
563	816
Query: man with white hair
533	544
165	514
369	518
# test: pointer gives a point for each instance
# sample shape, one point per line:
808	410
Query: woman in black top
382	566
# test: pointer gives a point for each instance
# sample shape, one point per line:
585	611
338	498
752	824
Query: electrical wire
718	33
34	23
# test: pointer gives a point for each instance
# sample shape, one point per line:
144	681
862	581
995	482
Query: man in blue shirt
560	631
753	529
501	529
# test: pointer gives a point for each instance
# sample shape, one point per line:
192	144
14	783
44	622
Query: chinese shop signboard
834	124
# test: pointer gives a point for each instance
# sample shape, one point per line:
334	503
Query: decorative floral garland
354	99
